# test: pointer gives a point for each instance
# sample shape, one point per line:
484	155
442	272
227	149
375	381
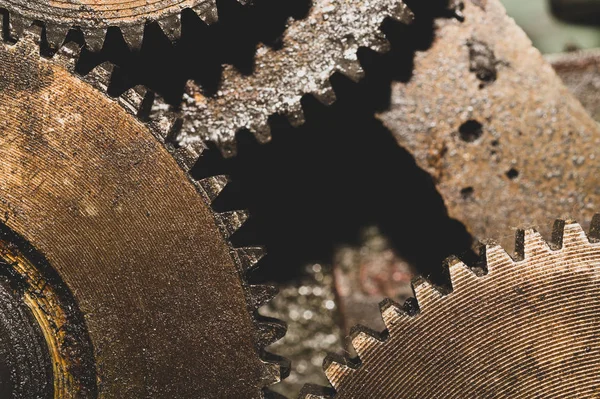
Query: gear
95	17
126	271
519	328
324	42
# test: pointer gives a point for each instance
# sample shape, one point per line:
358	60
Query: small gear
313	49
95	17
519	328
114	250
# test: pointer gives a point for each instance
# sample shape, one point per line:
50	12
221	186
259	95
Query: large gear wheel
95	17
118	276
519	328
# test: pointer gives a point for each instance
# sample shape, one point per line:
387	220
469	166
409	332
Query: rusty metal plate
504	140
525	328
132	238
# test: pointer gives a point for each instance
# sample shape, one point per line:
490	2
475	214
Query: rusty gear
95	17
518	328
126	271
314	48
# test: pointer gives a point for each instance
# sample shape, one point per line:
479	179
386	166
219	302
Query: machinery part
143	280
526	327
94	17
314	48
508	136
577	11
580	72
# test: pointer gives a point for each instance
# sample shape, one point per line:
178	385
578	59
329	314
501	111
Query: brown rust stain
89	187
536	157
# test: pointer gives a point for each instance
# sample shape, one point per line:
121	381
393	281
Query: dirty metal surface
580	72
130	235
525	327
94	17
503	139
313	49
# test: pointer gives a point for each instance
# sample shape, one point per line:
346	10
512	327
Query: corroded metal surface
580	72
132	237
524	328
94	17
502	137
313	49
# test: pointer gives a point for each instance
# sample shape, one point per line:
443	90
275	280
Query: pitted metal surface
504	140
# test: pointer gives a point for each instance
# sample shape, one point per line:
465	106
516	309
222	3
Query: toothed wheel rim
527	328
112	209
95	17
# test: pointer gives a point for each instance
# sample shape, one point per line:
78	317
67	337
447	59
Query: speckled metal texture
94	17
503	139
313	49
111	207
525	328
580	72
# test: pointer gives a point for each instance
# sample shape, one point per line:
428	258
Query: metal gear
314	48
95	17
519	328
112	252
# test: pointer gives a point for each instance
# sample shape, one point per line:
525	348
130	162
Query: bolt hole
467	193
470	131
512	174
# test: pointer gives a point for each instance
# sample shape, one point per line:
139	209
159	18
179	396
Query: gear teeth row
139	102
133	34
315	48
568	237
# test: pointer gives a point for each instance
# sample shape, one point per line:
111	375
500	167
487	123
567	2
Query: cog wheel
314	48
524	327
95	17
114	260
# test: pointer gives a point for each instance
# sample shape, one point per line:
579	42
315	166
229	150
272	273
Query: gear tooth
261	294
363	340
67	55
276	368
261	132
171	26
325	95
55	35
573	236
269	331
391	314
186	156
214	185
133	35
207	13
101	75
94	39
232	221
336	370
594	234
17	24
459	272
496	257
228	148
424	292
296	116
138	101
312	391
248	257
31	34
529	243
